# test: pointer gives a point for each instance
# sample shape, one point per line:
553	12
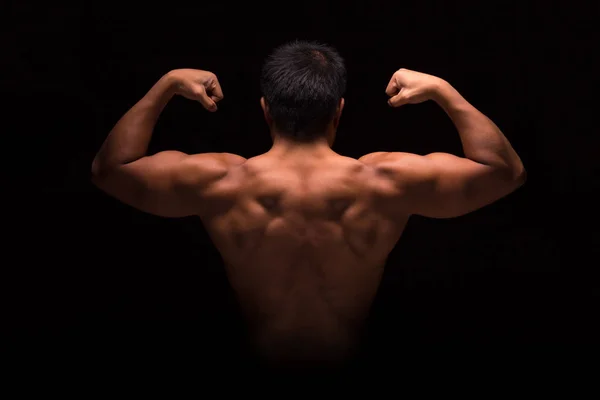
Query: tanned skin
303	231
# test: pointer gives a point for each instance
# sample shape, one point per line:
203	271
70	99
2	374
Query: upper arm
169	183
441	185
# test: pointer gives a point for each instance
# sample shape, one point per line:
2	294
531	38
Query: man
304	232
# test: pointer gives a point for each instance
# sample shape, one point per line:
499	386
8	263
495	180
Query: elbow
511	179
96	172
513	176
520	176
99	172
95	168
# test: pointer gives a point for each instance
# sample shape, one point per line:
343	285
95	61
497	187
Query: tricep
441	185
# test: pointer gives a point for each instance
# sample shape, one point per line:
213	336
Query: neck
290	146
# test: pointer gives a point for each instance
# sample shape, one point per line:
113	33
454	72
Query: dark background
90	278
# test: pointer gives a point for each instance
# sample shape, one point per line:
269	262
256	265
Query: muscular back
304	232
304	237
304	242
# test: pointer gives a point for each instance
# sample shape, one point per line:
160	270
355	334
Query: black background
90	278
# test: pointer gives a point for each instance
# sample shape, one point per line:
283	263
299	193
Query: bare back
303	231
304	242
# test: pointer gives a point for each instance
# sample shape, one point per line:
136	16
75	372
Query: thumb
398	100
204	99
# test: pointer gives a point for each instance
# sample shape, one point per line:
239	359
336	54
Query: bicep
166	184
442	185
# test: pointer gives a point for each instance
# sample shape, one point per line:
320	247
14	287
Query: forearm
481	139
129	139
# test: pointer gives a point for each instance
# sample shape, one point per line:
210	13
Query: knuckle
210	77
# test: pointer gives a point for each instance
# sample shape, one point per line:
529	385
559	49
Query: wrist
170	81
160	94
439	89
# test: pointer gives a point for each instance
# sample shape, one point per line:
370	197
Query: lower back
307	305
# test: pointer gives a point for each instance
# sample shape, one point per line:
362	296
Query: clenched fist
411	87
198	85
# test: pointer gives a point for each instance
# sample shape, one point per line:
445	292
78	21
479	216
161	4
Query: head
303	84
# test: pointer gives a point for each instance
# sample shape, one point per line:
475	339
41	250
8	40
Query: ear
338	114
265	107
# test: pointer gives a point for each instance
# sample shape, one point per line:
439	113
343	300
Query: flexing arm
442	185
168	183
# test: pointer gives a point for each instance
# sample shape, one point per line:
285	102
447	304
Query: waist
305	344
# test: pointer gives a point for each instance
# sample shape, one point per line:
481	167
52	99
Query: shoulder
207	167
220	161
216	159
398	165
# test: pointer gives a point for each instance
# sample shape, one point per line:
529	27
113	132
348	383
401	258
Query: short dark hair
302	83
